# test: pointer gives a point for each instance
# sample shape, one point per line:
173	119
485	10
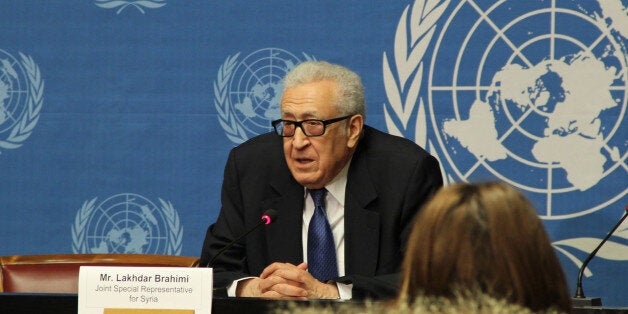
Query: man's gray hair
350	89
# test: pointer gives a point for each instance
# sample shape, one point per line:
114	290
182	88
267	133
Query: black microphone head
269	216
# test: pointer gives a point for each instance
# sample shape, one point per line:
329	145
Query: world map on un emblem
531	99
127	223
248	91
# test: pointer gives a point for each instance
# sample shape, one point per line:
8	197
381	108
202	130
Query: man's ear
355	126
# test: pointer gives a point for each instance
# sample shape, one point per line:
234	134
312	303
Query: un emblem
140	5
21	99
127	223
247	92
528	92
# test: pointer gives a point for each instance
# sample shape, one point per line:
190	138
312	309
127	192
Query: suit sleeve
231	264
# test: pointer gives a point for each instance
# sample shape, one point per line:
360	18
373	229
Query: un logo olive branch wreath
23	129
415	30
175	230
235	132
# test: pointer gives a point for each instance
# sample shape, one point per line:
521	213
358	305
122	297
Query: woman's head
485	237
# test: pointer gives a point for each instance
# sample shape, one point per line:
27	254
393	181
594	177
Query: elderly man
346	195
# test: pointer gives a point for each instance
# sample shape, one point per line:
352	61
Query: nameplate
138	290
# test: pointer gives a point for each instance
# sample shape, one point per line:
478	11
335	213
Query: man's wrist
329	291
246	288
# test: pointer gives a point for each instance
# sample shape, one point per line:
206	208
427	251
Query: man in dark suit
374	184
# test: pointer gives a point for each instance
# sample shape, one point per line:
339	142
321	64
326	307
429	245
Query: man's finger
289	290
270	269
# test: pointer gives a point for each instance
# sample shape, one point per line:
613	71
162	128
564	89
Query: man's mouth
304	160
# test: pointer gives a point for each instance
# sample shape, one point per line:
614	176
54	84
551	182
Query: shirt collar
338	185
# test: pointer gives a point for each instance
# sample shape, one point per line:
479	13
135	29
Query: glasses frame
299	124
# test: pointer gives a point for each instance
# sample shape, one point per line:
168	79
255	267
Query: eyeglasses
310	127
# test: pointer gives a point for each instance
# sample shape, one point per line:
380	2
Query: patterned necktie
321	250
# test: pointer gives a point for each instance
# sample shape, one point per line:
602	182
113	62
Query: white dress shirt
335	210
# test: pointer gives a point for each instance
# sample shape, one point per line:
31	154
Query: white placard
109	289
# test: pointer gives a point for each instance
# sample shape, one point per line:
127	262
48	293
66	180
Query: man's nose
299	139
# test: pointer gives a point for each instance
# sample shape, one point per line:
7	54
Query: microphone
267	218
579	299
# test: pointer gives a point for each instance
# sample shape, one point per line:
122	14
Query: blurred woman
483	238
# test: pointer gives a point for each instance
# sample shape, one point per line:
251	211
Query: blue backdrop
116	117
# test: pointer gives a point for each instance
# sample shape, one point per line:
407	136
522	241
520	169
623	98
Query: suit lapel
284	235
362	229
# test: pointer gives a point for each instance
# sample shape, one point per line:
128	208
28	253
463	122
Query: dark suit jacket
388	181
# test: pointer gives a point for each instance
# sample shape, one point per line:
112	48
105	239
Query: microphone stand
579	300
